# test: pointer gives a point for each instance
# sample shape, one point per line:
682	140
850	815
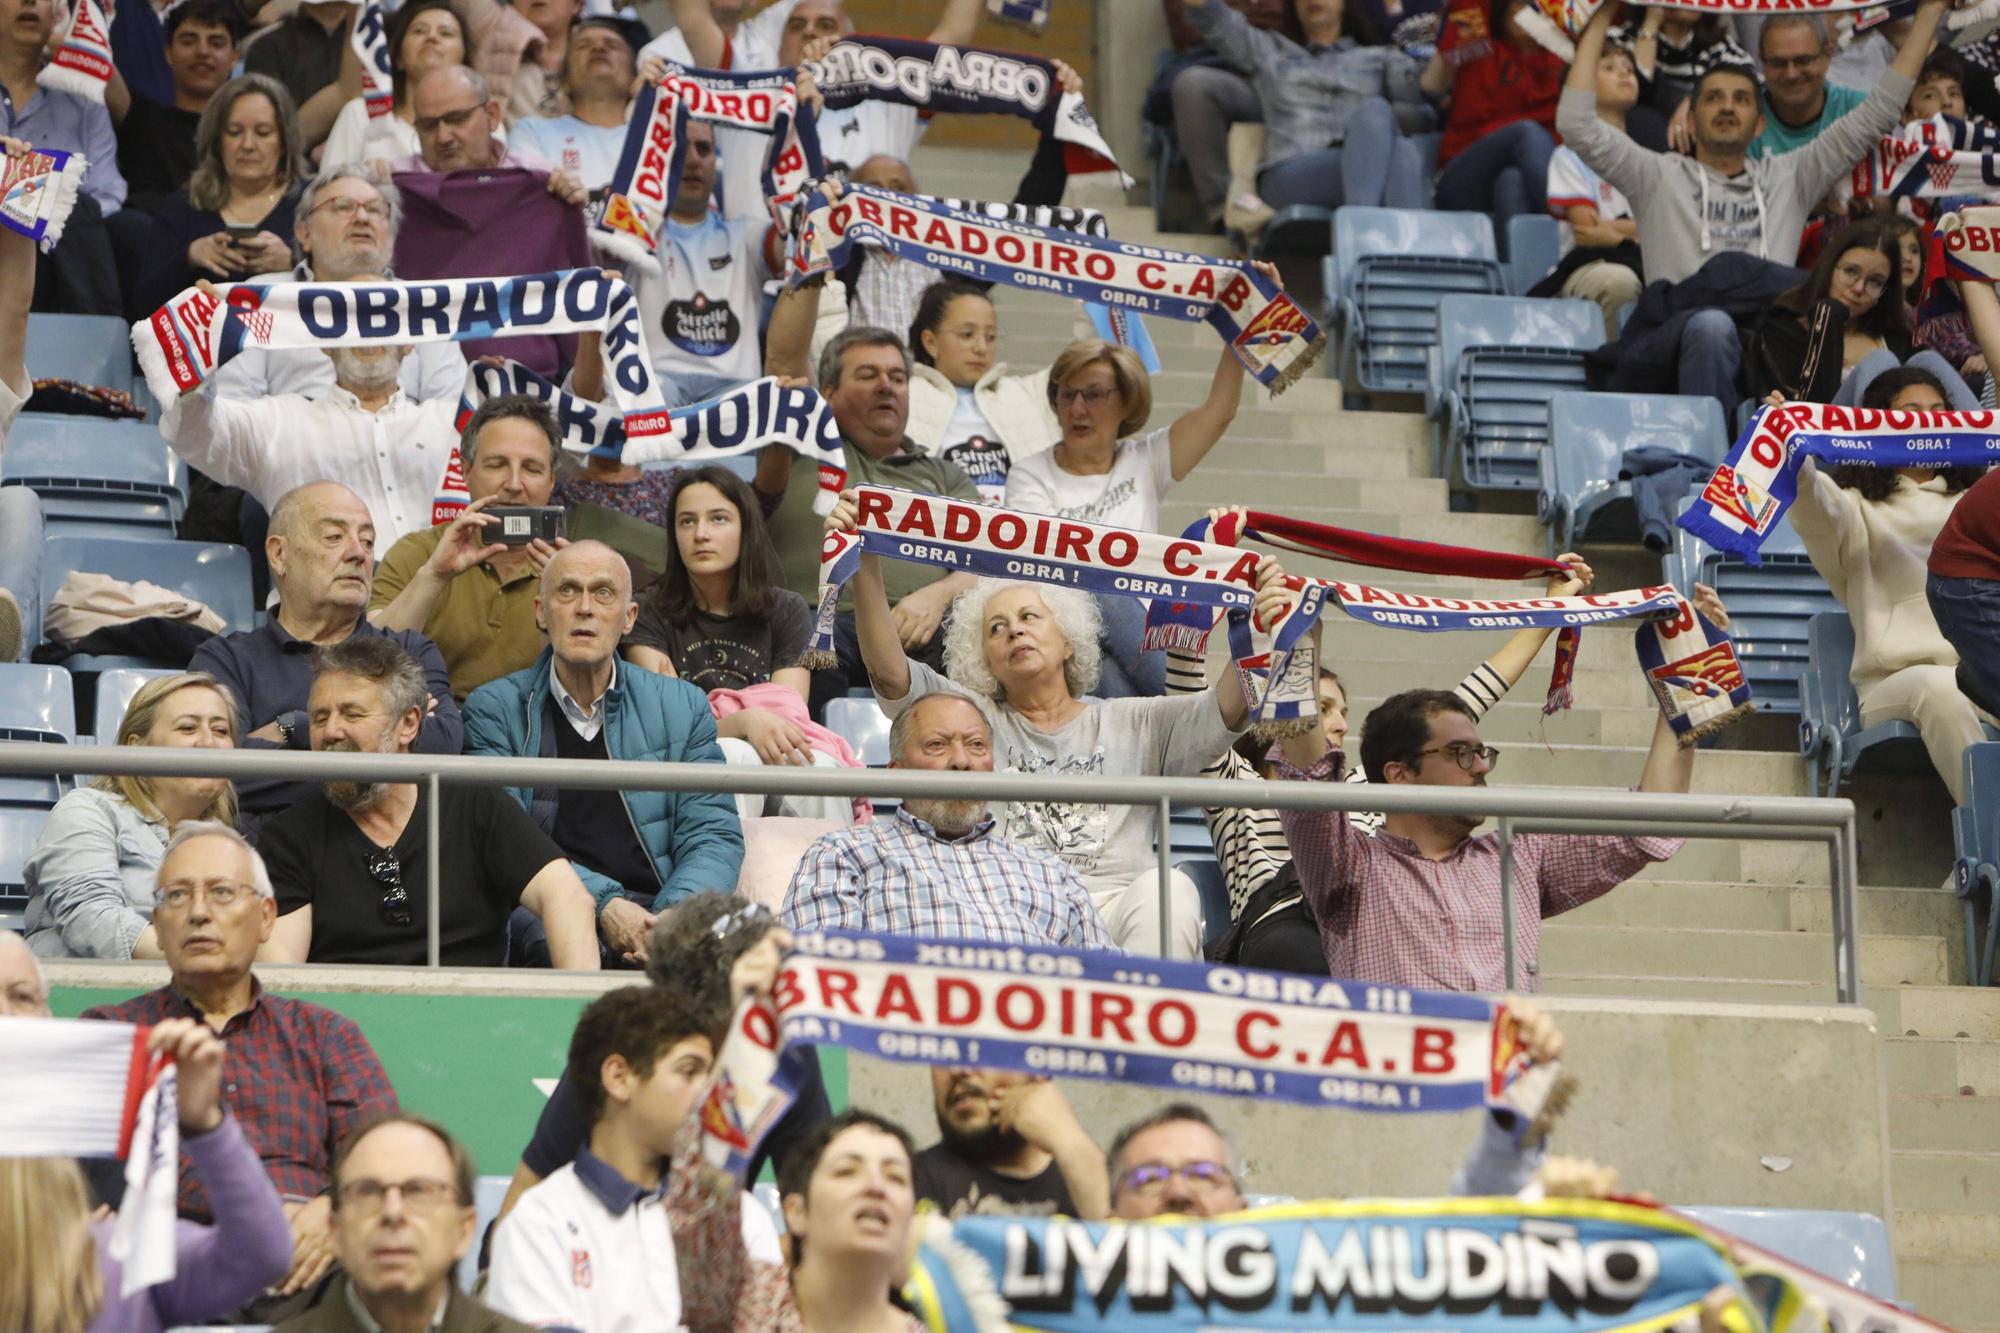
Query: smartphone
521	524
242	233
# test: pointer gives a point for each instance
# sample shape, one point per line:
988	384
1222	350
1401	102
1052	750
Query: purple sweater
219	1267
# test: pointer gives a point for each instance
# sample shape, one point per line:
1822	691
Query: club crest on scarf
37	191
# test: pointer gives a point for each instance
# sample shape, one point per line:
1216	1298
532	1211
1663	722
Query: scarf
1030	14
738	423
1268	331
37	191
966	79
1465	33
642	188
71	1088
1557	23
1754	486
1939	158
370	40
1252	1034
189	337
1381	1265
1964	246
1039	548
82	65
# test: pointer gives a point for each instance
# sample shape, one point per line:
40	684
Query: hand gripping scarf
1267	330
1030	14
739	422
37	191
1380	1265
648	175
1756	484
70	1088
82	65
1178	1026
1691	666
971	79
1556	24
1939	158
1039	548
370	40
186	339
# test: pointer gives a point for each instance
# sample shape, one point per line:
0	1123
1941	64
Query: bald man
322	552
639	852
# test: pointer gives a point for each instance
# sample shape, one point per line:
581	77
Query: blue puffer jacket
694	838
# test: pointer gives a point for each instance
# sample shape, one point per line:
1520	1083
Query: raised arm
1503	671
874	625
1609	152
788	340
958	23
1229	34
17	292
705	38
1274	598
1197	430
1833	152
1669	764
1982	312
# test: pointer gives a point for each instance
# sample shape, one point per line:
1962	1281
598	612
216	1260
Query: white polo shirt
588	1250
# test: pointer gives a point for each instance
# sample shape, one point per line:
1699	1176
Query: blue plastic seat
1975	830
1214	893
214	573
21	560
20	825
1582	498
1534	248
863	725
1831	737
36	704
1770	609
90	349
96	477
1499	359
1389	269
114	695
1850	1248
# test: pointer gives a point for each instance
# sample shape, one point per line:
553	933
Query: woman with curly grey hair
1032	649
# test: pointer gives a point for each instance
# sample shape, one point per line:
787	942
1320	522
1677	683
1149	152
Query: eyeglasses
1465	755
1203	1177
604	594
387	871
180	897
344	208
1854	275
1096	397
429	124
422	1194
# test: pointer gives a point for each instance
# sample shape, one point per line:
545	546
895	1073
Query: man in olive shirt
470	595
864	375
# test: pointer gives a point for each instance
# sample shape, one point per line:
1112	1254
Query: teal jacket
694	838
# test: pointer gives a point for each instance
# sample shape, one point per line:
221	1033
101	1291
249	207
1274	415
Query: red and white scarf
82	65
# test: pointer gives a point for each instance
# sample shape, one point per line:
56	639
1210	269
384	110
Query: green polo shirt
914	470
484	625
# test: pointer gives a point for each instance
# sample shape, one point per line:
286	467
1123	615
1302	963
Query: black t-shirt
318	858
728	653
156	151
592	824
962	1189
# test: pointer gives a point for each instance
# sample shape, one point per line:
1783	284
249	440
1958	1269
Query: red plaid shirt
1390	915
296	1076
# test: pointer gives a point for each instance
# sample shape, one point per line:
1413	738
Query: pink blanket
786	703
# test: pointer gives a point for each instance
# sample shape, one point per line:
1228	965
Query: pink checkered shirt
1389	915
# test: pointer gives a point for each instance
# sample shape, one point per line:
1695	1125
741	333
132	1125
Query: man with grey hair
938	867
322	552
639	852
347	218
350	864
298	1076
1796	51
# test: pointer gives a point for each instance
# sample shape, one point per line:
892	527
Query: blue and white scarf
37	191
965	79
1756	484
370	40
1269	332
1939	158
642	187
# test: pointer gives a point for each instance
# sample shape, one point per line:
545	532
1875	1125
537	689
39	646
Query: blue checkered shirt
900	876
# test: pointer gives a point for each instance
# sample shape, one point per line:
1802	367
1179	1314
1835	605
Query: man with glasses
297	1077
1418	904
402	1219
1796	51
349	864
639	852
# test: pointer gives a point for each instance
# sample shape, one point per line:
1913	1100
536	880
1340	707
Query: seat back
1500	359
102	478
863	725
20	825
21	559
1770	608
1534	248
1360	231
212	572
114	695
90	349
1850	1248
36	702
1213	891
1390	268
1830	648
1589	434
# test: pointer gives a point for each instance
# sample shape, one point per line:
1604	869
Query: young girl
718	619
962	400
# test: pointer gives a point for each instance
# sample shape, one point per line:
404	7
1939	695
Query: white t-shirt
1142	470
701	312
1573	184
590	151
591	1252
740	153
971	442
850	136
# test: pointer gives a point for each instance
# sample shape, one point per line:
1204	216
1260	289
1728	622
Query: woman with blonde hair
90	875
49	1281
234	218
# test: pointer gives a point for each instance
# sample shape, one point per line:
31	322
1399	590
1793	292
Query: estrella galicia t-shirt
701	311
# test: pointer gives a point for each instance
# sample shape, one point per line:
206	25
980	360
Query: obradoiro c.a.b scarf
82	64
1265	329
370	40
740	422
37	191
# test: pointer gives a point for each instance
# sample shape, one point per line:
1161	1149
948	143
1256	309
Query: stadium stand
1499	360
1389	269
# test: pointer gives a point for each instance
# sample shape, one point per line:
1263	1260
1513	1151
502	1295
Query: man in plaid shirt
938	868
1418	904
296	1076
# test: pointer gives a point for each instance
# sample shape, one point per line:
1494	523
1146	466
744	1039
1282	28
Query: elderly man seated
299	1077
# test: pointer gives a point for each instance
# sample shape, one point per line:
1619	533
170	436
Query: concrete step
1965	1297
1300	473
1520	720
1618	951
1945	1180
1884	910
1498	532
1953	1011
1943	1123
1944	1065
1963	1237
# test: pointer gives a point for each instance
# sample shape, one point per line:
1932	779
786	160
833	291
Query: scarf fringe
1553	39
1716	725
818	659
971	1282
1559	700
1317	348
1176	636
60	79
1283	729
1561	1093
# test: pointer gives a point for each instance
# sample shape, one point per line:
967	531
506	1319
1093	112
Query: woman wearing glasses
423	35
1822	341
1102	471
90	875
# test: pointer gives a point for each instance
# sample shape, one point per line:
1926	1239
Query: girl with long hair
423	35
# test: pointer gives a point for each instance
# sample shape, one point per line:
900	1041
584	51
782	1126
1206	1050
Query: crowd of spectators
1694	165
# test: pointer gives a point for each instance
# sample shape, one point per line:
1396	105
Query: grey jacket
1687	213
90	877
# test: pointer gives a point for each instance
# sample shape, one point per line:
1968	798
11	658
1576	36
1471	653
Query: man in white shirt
598	74
591	1248
346	231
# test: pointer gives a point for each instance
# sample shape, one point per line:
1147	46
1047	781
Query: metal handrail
1517	809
